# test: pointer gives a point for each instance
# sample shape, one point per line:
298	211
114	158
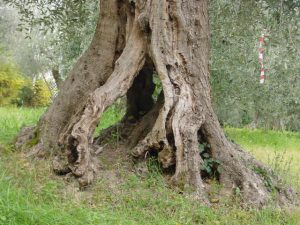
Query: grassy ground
281	150
31	194
12	119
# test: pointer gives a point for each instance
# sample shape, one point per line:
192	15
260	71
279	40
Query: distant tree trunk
134	39
48	85
57	77
255	120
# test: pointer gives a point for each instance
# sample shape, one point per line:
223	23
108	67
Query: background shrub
18	90
10	83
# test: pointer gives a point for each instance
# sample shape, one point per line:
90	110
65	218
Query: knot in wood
177	89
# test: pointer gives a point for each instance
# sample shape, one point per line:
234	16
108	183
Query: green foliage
158	87
42	95
15	89
211	166
53	15
25	96
10	83
50	32
238	96
266	178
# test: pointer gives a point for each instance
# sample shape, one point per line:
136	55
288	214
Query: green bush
33	95
42	94
25	96
15	89
10	83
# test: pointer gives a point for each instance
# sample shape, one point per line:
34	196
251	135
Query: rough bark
91	71
133	39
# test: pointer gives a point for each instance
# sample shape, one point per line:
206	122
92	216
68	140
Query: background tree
59	31
21	64
239	98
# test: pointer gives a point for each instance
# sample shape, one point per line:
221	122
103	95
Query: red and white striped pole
261	58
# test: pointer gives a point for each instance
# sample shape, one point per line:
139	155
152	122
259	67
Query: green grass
13	119
28	196
265	139
31	194
280	150
111	116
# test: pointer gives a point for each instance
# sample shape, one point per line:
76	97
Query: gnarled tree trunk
135	39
